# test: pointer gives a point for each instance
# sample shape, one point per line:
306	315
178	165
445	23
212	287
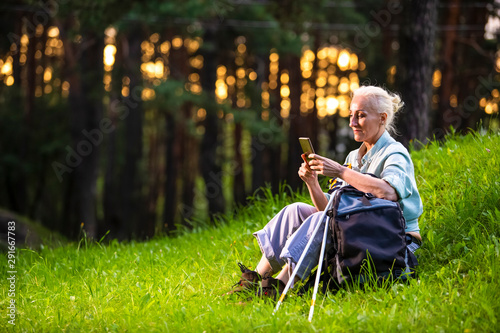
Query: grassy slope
174	284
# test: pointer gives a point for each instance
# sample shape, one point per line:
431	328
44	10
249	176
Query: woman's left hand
325	166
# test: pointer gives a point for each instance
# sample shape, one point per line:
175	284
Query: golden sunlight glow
436	78
147	94
240	73
285	91
47	75
321	81
230	80
196	62
489	108
7	67
221	92
196	88
332	54
344	102
343	60
354	85
221	70
308	56
221	88
353	61
274	57
482	102
265	98
25	39
53	32
65	86
109	55
165	47
177	42
322	53
154	38
192	45
306	66
201	114
391	74
323	63
252	76
333	80
125	91
331	105
284	78
344	85
159	69
241	48
9	80
453	101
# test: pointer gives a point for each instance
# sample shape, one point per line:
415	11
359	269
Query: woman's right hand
309	176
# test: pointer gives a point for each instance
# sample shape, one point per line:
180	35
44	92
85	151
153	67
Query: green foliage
176	284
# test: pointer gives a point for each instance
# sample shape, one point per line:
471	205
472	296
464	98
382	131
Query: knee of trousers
291	217
300	210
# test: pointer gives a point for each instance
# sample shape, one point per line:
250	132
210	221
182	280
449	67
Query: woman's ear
383	118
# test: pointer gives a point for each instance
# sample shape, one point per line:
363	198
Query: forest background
144	118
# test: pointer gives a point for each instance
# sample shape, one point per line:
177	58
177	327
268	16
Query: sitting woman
284	238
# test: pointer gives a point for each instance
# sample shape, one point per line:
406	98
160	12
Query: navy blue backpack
369	238
369	242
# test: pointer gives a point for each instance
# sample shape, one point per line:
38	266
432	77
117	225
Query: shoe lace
243	269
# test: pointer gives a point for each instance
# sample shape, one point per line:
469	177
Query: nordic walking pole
320	264
308	245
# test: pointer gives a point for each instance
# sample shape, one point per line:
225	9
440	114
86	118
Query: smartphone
307	147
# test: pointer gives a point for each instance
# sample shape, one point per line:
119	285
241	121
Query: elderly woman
284	238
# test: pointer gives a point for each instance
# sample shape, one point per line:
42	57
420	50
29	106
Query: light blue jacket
390	161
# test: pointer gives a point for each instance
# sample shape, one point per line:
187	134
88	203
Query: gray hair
382	101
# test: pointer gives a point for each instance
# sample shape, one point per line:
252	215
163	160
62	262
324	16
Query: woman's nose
353	122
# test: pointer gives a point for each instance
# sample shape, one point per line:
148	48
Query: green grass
175	284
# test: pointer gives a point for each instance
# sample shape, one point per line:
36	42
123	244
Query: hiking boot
271	288
249	281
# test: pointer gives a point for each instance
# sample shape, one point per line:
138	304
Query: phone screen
307	147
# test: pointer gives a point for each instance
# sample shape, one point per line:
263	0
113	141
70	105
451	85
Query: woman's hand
306	173
325	166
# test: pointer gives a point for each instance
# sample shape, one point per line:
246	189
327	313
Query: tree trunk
239	192
209	166
415	70
172	166
181	167
444	116
15	176
189	168
113	219
132	199
296	121
477	61
257	146
84	62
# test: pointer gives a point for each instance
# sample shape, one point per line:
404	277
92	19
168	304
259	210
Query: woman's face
366	123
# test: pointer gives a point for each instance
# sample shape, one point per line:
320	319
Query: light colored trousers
285	237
